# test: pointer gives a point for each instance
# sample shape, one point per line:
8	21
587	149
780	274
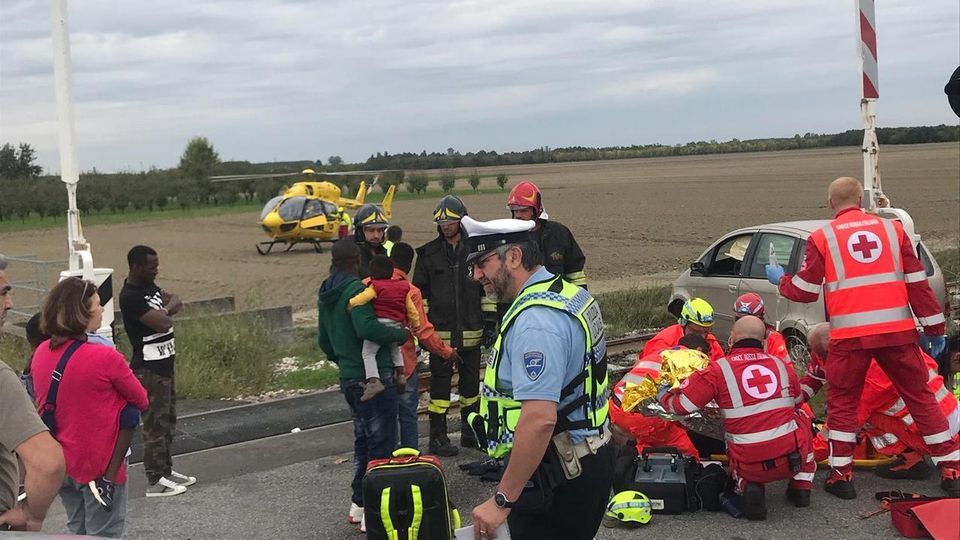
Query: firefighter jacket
757	395
669	338
562	255
451	298
870	277
500	413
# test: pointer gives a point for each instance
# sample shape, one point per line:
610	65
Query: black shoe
477	468
950	482
103	491
754	502
906	467
443	447
841	486
798	497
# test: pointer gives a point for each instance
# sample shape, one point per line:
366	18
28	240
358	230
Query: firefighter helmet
748	304
369	215
697	311
628	509
526	194
450	208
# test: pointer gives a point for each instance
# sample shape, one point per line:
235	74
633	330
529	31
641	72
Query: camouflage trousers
159	421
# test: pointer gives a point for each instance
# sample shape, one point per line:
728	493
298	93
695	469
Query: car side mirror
697	269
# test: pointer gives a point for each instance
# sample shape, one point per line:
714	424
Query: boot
841	485
798	497
909	465
755	502
467	438
439	442
950	481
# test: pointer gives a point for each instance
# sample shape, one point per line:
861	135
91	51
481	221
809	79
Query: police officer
370	225
562	255
544	394
452	301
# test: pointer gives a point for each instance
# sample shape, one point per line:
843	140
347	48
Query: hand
936	344
18	519
490	331
401	380
486	518
774	273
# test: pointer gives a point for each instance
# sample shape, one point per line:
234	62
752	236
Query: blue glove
663	391
774	273
936	344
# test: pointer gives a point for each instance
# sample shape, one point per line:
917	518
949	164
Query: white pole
69	173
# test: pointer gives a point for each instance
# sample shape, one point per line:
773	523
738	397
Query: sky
269	80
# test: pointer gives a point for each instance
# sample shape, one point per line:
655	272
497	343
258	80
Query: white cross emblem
864	246
759	381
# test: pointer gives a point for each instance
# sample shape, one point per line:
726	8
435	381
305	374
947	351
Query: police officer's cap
483	236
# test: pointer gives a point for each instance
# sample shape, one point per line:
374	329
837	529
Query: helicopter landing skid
264	248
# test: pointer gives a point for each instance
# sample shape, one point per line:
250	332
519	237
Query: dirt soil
639	221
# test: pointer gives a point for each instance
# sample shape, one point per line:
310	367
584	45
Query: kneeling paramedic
768	438
544	394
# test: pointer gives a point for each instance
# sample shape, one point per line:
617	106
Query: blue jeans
409	400
374	426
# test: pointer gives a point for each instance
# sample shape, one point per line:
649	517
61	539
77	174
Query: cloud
281	79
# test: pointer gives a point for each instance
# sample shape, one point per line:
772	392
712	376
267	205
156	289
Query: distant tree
335	161
502	179
18	162
198	163
447	181
390	178
474	180
417	183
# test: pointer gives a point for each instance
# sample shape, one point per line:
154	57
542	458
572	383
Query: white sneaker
165	488
182	479
363	524
356	514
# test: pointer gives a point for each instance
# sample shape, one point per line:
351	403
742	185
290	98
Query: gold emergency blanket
677	365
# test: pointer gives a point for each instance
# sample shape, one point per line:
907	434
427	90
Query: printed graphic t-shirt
152	350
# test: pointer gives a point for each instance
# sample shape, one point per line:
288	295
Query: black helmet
450	208
368	214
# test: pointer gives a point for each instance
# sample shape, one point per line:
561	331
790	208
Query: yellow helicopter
310	211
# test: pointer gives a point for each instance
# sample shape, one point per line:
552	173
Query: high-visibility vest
757	406
864	289
501	413
388	245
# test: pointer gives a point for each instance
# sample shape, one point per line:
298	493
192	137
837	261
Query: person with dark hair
148	314
402	257
23	437
544	401
455	305
394	307
394	235
35	337
340	336
90	407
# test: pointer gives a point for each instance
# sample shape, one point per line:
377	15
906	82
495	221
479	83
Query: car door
787	248
720	283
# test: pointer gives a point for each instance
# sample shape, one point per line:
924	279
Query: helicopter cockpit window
330	210
292	208
314	208
267	208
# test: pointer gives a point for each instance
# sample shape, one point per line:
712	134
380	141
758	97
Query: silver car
736	264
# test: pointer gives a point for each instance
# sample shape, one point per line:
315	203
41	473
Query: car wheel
797	349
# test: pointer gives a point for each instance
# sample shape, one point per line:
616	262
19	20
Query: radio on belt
661	476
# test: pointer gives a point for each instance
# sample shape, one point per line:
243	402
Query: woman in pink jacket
95	386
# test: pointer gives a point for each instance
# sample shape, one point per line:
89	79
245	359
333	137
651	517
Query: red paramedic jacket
758	396
669	338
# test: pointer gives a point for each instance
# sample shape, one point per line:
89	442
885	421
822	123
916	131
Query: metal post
873	197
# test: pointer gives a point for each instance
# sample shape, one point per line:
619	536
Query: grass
34	222
635	309
949	261
14	351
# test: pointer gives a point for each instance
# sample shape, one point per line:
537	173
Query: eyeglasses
479	263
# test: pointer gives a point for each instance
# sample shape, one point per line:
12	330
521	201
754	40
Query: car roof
804	227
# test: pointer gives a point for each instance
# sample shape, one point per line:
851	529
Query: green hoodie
342	332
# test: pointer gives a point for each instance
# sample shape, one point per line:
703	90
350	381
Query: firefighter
369	226
544	405
452	302
696	317
882	412
768	437
752	304
871	278
561	253
648	431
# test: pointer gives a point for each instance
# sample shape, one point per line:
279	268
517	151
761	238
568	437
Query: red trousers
651	432
907	370
779	468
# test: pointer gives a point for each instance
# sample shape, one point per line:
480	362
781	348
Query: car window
782	246
925	259
727	258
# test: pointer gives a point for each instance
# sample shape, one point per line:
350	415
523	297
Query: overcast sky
283	80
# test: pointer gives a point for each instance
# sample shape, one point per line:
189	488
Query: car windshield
292	208
267	208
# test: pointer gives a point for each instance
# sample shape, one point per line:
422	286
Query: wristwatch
501	501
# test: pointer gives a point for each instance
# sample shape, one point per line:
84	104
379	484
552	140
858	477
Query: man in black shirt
148	314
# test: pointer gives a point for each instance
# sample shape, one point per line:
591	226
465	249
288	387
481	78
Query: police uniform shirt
543	350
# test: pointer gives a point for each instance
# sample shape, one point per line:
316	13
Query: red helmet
526	194
748	304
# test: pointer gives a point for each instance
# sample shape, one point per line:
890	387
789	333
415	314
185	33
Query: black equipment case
405	497
661	476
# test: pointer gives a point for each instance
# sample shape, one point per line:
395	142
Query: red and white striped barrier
868	50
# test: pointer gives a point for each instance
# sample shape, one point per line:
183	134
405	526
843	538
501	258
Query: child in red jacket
394	307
